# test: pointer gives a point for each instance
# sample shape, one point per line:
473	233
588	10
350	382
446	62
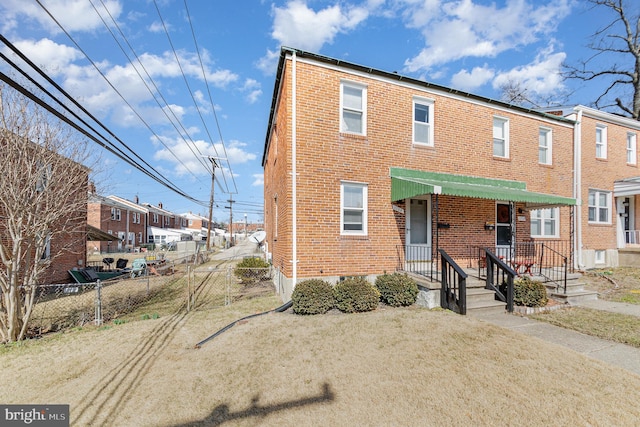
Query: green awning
407	183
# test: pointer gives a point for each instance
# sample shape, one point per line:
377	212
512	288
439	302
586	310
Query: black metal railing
500	278
453	291
553	267
417	260
542	259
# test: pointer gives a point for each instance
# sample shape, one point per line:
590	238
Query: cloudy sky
177	80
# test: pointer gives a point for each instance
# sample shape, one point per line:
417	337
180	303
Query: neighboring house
368	172
66	243
197	225
123	219
608	183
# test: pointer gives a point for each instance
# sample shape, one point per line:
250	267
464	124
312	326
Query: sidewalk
621	355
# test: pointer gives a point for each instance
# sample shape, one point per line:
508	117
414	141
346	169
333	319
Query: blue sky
475	46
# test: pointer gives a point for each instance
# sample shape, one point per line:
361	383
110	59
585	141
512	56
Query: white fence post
98	318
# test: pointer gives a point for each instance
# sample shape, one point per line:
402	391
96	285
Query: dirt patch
620	284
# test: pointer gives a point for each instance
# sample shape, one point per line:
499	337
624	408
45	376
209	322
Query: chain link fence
185	287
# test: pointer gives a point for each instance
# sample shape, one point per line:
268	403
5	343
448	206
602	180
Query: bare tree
616	59
517	93
43	205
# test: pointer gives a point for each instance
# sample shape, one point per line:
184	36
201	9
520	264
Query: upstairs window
632	153
544	223
115	214
601	142
353	101
599	206
544	146
155	218
422	121
500	137
353	201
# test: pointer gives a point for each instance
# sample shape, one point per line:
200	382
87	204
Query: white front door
418	230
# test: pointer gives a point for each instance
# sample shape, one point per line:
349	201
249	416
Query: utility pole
214	164
230	207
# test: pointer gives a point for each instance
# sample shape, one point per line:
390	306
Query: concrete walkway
624	356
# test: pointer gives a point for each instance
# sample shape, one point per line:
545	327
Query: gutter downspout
577	185
294	174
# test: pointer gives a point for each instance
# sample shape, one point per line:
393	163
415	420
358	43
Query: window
131	238
135	217
46	251
544	223
631	149
155	218
500	137
353	108
601	142
139	237
544	146
599	202
353	204
44	176
599	256
115	214
167	220
422	121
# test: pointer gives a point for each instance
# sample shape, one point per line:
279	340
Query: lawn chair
107	262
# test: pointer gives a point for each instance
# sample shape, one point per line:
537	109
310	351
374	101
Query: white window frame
116	214
596	207
545	146
155	218
362	111
363	208
504	137
601	142
429	103
544	217
599	256
632	148
140	237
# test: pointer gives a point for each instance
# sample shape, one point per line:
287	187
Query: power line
108	81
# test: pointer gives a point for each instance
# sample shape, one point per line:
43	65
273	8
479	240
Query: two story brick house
367	171
125	220
608	183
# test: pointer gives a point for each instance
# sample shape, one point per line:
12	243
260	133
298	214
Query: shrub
313	296
251	270
355	294
397	289
529	293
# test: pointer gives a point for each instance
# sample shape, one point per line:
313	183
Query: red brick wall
600	174
325	157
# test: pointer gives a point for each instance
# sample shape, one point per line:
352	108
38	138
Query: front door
419	231
503	230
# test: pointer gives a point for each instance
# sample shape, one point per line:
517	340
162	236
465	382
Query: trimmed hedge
356	294
313	296
251	270
397	289
529	293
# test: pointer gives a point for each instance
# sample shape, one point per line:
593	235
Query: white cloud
458	29
268	63
258	180
52	57
292	24
73	15
468	81
542	76
189	163
252	89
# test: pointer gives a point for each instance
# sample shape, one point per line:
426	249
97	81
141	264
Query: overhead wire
108	81
155	86
213	108
105	143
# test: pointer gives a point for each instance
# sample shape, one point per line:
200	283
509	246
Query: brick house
608	183
123	219
65	247
368	171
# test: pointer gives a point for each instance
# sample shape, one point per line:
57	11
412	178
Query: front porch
486	282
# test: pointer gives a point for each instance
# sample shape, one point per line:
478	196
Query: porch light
489	225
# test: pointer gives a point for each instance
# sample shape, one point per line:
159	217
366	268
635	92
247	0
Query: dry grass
616	327
388	367
620	284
